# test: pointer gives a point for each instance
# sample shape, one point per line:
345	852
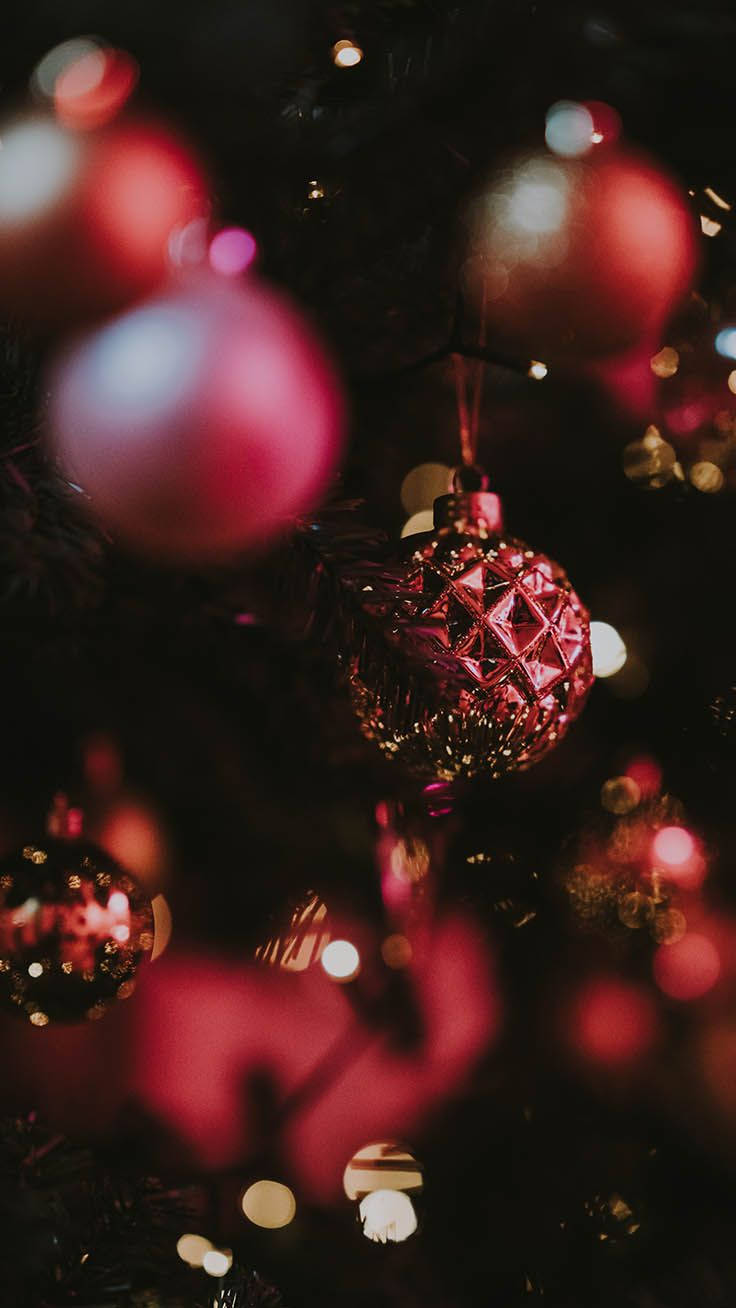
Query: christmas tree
366	922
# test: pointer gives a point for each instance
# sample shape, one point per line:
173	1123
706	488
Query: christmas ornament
200	422
86	218
472	654
579	257
73	930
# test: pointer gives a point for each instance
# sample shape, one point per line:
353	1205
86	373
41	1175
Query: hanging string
469	380
463	409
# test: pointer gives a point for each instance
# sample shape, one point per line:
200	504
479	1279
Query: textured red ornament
493	649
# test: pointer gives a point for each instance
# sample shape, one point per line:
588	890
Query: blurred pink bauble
86	218
200	422
579	258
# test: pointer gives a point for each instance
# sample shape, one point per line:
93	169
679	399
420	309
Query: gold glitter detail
4	964
110	947
620	795
73	881
669	926
636	910
38	1018
88	976
34	855
145	940
96	1012
66	967
6	882
126	989
103	879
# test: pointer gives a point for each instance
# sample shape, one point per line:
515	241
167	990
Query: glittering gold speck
66	967
38	1018
73	881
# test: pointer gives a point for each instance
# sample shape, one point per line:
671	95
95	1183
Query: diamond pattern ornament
485	658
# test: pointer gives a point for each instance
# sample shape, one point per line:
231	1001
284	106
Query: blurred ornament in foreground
92	89
471	652
613	1022
73	930
200	422
578	257
85	220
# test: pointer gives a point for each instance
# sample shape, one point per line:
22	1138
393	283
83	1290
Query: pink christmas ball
87	218
200	422
579	258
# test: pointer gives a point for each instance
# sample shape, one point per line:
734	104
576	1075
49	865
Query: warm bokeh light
423	484
418	522
192	1249
341	960
665	363
118	903
269	1204
609	650
346	54
35	969
38	165
614	1022
538	370
709	226
91	89
688	968
381	1166
569	129
536	202
620	795
673	846
217	1262
232	251
387	1215
706	477
162	925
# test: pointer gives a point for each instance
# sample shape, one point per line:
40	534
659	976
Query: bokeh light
706	477
418	522
387	1215
162	926
341	960
614	1022
569	129
423	484
192	1249
726	343
536	204
346	54
232	251
38	163
91	89
53	64
269	1204
673	846
665	363
620	795
396	951
609	650
217	1262
538	370
381	1166
688	968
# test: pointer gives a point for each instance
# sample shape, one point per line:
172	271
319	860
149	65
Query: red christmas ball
86	218
579	257
472	654
199	422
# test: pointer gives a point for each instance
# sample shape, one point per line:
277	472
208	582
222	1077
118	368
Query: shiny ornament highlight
199	423
482	657
74	928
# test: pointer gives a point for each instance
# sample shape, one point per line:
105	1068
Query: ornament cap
478	513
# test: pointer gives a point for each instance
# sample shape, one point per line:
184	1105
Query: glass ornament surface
485	655
74	928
